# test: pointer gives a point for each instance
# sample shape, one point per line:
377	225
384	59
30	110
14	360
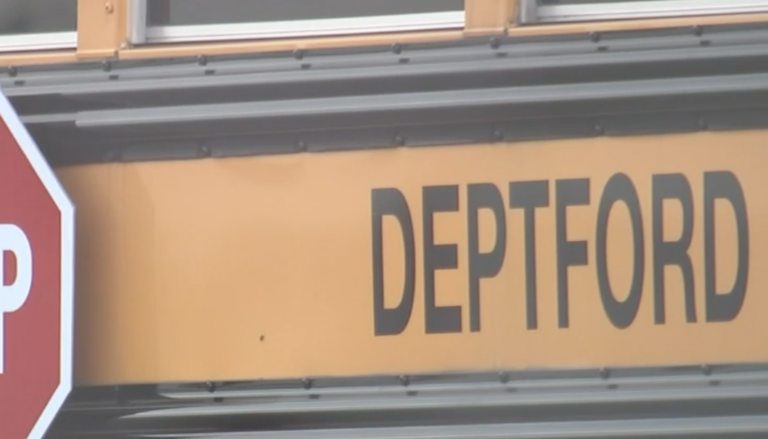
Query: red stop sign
36	285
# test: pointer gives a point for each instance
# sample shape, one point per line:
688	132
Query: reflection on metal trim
306	28
644	9
138	21
528	11
41	41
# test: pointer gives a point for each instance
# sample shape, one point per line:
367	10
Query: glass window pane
585	10
37	16
196	12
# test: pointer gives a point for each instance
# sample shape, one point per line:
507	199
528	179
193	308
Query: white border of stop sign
18	292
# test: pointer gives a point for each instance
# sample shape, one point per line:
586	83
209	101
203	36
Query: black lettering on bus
528	195
569	192
724	307
438	319
674	253
390	201
620	313
483	265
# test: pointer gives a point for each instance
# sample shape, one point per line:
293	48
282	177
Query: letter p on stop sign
36	285
13	296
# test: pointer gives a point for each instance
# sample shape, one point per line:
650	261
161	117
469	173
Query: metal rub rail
700	402
476	90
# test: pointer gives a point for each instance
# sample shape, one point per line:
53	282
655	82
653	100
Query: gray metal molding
423	102
470	91
474	61
637	403
602	395
443	130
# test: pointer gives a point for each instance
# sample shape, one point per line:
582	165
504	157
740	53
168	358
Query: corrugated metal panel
711	402
378	97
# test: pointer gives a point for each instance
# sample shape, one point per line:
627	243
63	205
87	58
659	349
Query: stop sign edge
67	211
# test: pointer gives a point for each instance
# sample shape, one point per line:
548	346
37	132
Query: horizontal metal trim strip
53	118
646	428
695	392
307	28
25	82
38	41
423	101
378	73
475	400
65	145
477	386
280	61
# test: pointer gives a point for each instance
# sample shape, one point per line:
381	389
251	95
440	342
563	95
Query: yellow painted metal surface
488	17
102	27
17	59
265	267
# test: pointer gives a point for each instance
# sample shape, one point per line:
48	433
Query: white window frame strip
304	28
137	22
38	41
532	13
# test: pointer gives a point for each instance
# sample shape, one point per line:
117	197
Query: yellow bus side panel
263	267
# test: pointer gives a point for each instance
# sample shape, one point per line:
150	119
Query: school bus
424	218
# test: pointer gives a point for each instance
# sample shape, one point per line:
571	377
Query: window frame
532	13
141	33
38	41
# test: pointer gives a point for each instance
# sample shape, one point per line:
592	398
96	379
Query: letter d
12	297
392	202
